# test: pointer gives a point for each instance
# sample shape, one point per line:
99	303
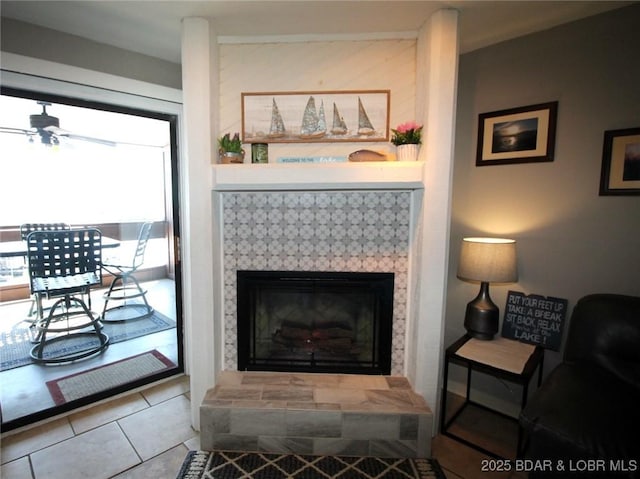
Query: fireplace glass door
315	321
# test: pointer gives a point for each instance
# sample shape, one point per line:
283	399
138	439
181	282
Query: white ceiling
153	27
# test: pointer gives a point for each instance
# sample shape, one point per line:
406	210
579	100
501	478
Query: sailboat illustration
313	125
277	129
322	122
364	124
339	127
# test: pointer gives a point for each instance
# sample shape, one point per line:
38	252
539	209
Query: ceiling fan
47	127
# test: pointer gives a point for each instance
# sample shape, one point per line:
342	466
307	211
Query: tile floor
147	435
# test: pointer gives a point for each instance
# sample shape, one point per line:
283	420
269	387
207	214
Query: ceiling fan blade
59	132
16	131
99	141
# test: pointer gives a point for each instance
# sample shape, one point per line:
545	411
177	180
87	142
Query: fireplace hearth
329	322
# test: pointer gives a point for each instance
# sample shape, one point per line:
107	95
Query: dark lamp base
482	316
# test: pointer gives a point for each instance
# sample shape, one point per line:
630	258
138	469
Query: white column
436	86
199	82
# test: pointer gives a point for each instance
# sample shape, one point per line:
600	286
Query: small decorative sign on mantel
311	159
534	319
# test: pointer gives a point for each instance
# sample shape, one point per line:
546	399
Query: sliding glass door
88	164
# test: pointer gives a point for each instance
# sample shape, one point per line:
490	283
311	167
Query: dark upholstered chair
588	408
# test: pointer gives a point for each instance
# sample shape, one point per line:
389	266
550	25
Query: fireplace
331	322
343	231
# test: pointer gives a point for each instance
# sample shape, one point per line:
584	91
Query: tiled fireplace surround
354	231
355	226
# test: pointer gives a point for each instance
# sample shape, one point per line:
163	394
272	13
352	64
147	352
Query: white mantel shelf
322	176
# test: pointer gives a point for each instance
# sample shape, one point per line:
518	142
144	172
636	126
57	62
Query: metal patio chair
25	230
64	265
125	290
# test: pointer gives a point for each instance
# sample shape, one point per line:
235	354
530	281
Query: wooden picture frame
517	135
620	173
315	116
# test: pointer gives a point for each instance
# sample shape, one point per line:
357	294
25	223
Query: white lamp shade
492	260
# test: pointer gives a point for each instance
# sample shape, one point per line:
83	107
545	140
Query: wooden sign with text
534	319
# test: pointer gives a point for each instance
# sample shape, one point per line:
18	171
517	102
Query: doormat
15	342
105	377
260	465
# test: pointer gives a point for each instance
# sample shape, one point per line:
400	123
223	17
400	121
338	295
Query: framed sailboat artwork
315	116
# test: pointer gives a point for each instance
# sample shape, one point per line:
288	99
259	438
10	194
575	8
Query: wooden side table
502	358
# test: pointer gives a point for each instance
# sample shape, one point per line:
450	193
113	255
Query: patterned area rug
15	342
254	465
105	377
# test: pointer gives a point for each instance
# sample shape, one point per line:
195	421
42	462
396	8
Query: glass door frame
48	93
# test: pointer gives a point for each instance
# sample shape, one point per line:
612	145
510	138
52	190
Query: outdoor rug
15	342
261	465
105	377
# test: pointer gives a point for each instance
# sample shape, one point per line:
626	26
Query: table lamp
488	260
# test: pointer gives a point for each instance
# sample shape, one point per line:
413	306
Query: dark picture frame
518	135
620	173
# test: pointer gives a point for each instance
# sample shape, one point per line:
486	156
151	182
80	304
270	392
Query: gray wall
38	42
571	241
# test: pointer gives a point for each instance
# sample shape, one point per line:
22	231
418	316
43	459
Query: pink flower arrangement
407	133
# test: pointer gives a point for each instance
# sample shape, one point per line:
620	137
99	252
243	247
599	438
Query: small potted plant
230	149
407	138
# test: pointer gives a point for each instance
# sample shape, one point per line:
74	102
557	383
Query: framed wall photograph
621	163
518	135
315	116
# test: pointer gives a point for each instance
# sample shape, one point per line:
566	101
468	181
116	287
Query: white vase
407	152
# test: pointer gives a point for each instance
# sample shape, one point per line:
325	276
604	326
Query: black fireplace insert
332	322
